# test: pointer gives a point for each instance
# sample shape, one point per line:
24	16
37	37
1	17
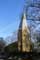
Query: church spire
23	35
24	22
24	15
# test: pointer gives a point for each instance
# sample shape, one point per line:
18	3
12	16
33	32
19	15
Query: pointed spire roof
24	15
24	22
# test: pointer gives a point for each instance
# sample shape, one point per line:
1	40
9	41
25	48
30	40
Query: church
24	42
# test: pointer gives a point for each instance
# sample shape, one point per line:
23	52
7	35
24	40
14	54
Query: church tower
23	35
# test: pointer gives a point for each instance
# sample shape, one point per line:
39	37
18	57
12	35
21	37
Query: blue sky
10	11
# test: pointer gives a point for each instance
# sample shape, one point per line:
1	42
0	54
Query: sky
10	11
